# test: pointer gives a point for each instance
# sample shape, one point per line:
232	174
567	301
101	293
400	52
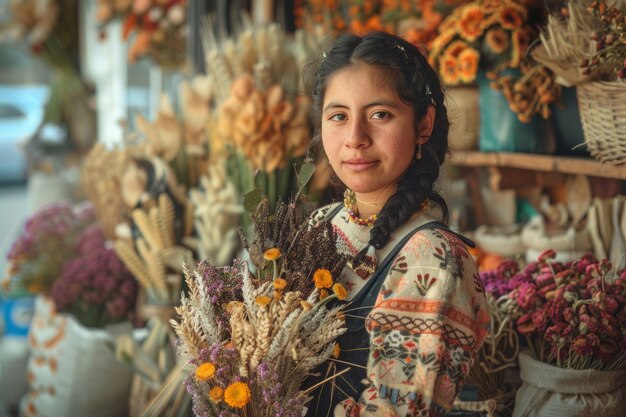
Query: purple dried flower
37	256
95	287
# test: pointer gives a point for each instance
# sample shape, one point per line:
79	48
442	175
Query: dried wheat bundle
216	211
567	39
153	256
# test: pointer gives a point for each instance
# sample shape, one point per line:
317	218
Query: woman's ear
426	125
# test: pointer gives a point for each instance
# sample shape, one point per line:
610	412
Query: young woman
416	313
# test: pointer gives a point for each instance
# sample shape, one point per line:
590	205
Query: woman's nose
358	135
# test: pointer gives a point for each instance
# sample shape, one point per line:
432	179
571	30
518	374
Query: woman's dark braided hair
418	85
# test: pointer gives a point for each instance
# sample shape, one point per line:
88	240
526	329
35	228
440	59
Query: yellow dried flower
278	294
306	306
205	371
340	291
263	300
216	394
280	283
323	278
237	394
272	254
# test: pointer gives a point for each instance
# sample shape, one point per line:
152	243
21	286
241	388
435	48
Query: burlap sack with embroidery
549	391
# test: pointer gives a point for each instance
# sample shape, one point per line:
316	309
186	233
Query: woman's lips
359	164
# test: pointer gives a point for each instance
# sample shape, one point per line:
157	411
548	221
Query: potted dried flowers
159	28
572	317
478	43
88	305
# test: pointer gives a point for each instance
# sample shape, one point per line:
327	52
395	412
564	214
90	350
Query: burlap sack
72	370
549	391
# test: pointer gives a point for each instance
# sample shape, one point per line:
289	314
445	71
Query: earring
418	154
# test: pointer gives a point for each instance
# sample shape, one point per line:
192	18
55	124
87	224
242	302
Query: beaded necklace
349	202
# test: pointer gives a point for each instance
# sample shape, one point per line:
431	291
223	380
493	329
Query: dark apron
354	344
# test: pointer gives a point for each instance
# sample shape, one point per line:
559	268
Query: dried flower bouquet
251	339
260	123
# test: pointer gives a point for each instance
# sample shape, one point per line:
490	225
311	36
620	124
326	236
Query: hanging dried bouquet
156	29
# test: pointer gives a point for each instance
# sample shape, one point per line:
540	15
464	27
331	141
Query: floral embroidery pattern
426	325
424	283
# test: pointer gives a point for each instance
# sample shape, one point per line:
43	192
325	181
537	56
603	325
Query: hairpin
400	47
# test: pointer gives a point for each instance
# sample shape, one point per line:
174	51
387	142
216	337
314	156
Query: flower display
47	241
159	28
572	314
250	340
414	20
486	35
95	286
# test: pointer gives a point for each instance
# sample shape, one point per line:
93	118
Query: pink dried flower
546	255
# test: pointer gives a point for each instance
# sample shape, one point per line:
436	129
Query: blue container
568	128
16	315
501	130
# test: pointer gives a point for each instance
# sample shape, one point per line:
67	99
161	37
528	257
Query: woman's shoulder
440	245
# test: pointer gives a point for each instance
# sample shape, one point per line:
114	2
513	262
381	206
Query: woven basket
462	104
602	108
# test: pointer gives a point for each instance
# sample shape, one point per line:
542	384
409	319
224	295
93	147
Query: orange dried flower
340	291
323	278
237	394
448	70
497	40
272	254
468	65
263	300
215	394
510	18
205	371
280	283
336	351
470	24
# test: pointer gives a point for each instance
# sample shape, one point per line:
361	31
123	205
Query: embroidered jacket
428	321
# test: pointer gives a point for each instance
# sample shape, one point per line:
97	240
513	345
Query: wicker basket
462	104
602	108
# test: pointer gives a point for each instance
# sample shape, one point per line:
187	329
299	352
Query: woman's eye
380	115
338	117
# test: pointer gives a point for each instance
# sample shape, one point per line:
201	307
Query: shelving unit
536	162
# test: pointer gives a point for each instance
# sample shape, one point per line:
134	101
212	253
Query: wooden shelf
536	162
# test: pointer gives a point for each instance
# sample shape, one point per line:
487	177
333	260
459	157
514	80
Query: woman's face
367	131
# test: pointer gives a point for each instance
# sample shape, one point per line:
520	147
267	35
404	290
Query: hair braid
416	185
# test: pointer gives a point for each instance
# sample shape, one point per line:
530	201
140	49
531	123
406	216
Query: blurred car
21	113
